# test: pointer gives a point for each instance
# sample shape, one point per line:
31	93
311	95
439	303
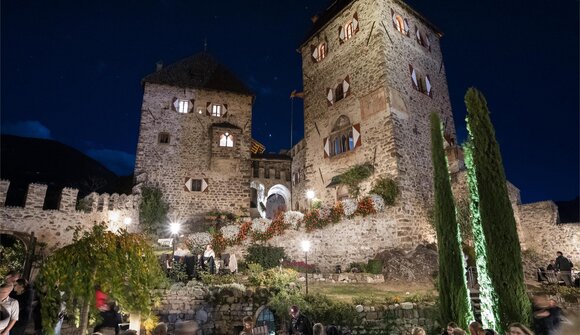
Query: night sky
71	71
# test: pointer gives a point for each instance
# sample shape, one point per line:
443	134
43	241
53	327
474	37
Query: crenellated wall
55	227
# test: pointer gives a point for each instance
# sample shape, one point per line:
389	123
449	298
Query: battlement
94	202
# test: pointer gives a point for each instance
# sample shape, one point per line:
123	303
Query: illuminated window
183	106
216	110
226	140
163	138
400	23
348	31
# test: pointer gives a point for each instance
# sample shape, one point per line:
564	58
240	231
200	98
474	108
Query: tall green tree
453	296
152	209
498	225
122	264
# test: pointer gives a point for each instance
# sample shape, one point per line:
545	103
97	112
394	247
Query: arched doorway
278	200
16	252
265	317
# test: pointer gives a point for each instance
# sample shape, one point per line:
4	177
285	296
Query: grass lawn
371	293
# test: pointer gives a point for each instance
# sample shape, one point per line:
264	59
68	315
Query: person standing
300	325
248	322
209	258
564	266
24	297
10	309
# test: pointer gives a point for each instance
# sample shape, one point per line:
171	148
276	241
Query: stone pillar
68	199
35	196
4	185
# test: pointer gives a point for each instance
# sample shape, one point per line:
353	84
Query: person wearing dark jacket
564	266
23	294
300	324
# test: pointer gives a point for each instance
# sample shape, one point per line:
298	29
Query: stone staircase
475	303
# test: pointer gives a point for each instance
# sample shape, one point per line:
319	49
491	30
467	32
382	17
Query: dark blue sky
71	71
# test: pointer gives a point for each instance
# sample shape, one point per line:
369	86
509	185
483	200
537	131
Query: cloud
26	129
120	162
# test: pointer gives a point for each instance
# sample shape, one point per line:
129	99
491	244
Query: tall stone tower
372	72
195	138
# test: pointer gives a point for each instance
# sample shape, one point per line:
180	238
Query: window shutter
406	26
427	42
191	105
355	23
174	104
187	185
208	109
326	49
330	96
418	35
428	84
341	34
326	146
394	17
314	52
225	110
356	135
203	184
346	86
413	77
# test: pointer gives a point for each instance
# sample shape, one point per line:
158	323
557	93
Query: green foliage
503	252
84	205
275	279
316	307
387	189
12	257
122	264
375	266
265	255
354	176
455	305
178	273
316	204
152	209
213	280
357	267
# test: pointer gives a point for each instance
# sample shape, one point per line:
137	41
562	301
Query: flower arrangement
275	227
349	206
312	220
242	233
336	212
365	207
293	219
260	225
219	243
197	242
378	202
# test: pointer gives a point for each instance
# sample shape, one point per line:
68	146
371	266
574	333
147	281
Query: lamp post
174	227
306	247
310	195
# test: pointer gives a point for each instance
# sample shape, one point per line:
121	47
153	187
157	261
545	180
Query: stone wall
218	311
298	153
543	233
56	227
193	151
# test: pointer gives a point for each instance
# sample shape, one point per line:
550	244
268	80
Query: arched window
344	143
350	141
400	24
341	138
321	52
336	146
226	140
266	318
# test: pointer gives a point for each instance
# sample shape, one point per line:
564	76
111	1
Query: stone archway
278	200
29	242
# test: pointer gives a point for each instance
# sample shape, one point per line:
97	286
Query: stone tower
372	72
195	138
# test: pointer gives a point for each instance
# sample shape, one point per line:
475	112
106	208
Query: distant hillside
569	211
26	160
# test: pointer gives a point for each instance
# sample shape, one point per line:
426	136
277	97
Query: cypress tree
498	225
453	297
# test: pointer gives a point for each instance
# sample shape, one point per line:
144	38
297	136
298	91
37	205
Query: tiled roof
199	71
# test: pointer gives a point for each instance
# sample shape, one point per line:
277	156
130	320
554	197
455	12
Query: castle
372	72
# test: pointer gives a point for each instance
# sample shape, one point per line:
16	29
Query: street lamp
174	228
127	221
310	195
306	247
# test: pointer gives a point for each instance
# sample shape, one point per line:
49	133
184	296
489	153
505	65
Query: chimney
158	65
314	19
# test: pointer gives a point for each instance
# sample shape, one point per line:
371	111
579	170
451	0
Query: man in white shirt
9	307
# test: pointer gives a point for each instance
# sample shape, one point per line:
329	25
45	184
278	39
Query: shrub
375	266
354	176
213	280
274	279
387	189
177	272
365	207
336	212
152	209
265	255
312	220
357	267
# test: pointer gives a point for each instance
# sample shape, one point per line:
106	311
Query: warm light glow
127	221
114	216
310	194
305	245
174	227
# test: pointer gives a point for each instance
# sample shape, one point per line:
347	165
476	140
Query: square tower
195	138
373	72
